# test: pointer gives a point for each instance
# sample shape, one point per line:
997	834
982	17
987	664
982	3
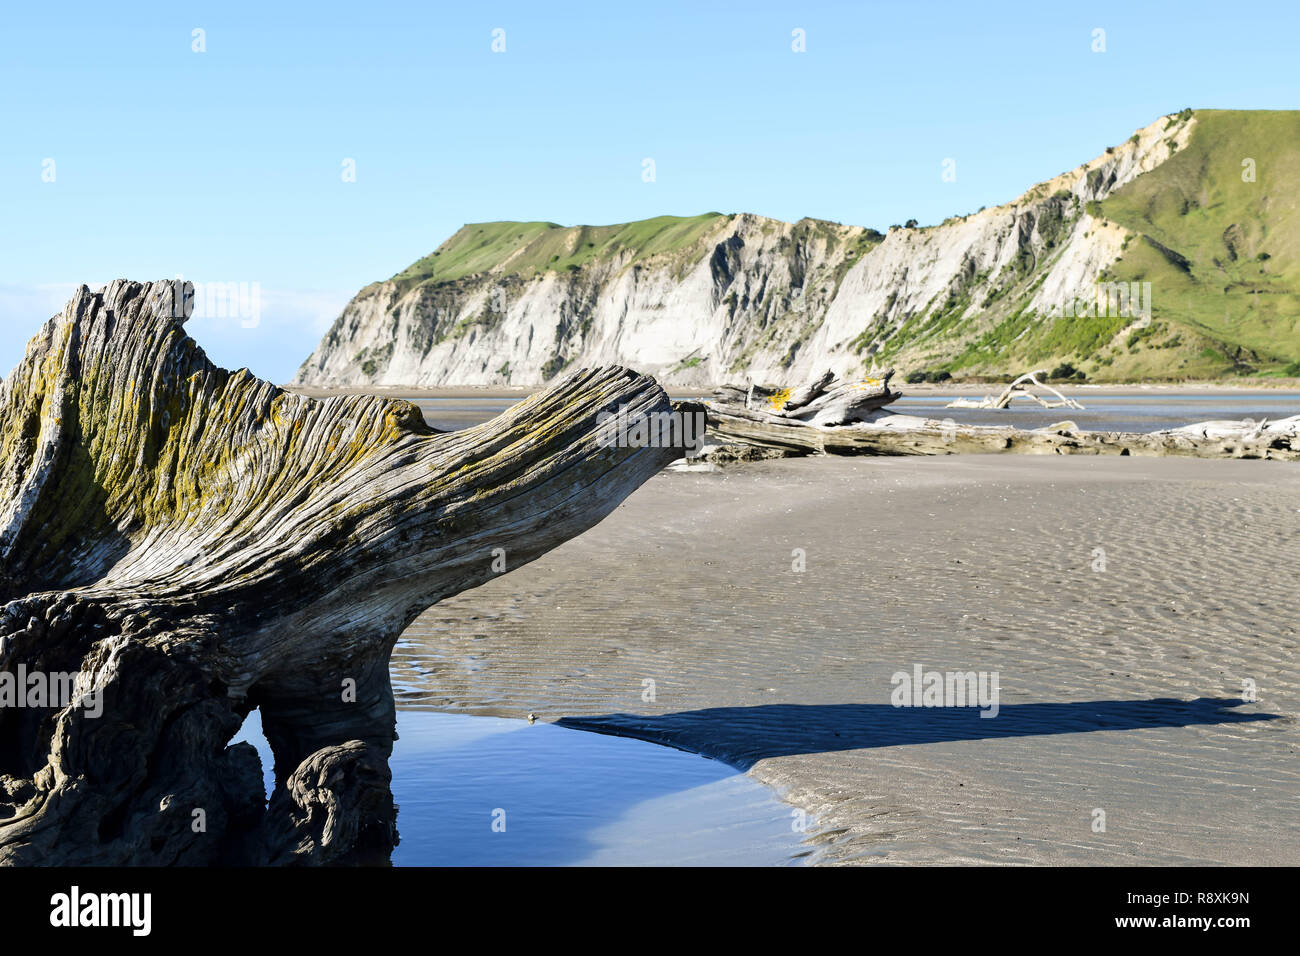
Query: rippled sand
1120	688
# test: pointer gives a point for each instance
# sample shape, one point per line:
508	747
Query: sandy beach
1121	601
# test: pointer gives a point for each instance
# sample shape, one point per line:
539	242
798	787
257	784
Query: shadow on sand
742	736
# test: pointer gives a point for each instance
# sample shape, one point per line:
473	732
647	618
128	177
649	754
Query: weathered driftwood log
821	402
825	418
1019	388
888	434
189	543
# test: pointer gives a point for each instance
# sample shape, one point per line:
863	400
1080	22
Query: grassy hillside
524	248
1222	253
1215	230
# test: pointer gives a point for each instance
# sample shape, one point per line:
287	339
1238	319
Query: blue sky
225	165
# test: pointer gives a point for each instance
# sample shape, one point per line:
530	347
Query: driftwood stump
184	544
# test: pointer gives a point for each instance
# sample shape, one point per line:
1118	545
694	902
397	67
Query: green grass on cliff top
530	247
1222	253
1230	263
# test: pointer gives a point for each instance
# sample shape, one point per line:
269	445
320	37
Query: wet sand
1120	688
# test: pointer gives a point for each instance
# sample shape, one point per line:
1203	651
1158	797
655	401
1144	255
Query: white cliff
696	302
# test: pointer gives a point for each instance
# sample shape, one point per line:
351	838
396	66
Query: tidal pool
487	791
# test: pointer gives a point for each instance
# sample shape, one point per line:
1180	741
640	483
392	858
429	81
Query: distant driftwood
873	430
822	402
191	543
1019	388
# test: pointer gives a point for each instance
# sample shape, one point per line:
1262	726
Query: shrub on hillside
1067	372
921	375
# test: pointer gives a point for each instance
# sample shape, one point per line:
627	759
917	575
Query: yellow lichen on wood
779	398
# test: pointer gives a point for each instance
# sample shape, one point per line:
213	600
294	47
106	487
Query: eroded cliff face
729	297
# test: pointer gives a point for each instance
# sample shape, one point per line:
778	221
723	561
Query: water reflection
490	791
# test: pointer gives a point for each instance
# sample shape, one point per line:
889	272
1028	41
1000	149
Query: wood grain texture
193	543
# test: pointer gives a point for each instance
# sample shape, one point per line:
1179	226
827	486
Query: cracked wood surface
193	543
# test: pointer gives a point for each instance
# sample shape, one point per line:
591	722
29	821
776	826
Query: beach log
889	434
823	401
184	544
